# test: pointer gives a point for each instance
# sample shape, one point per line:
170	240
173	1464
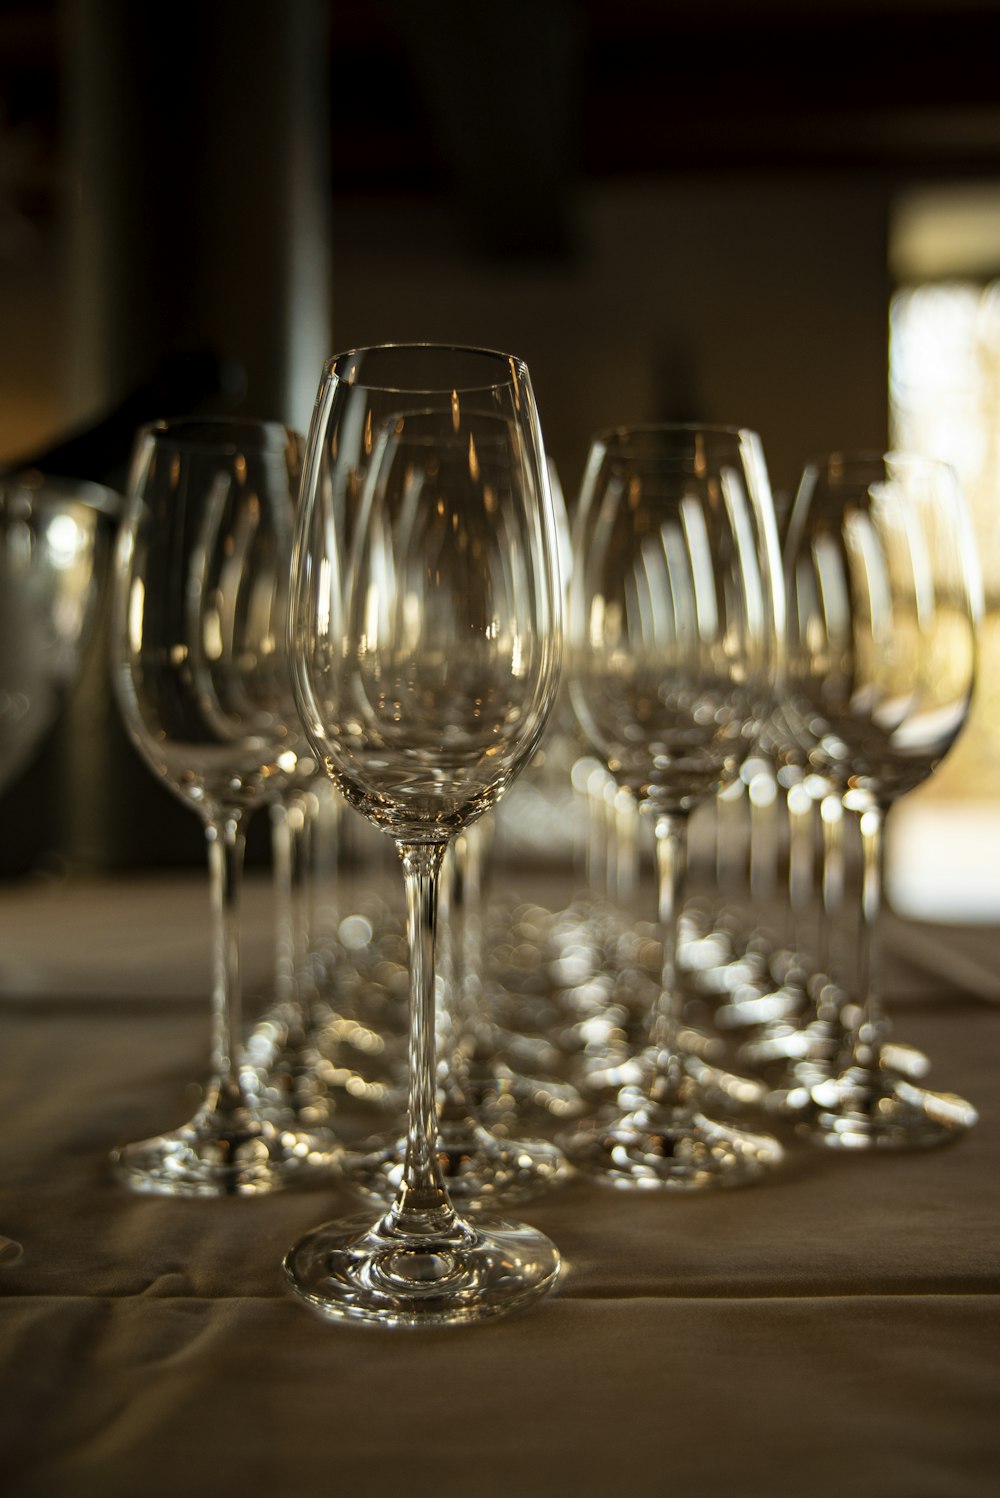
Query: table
833	1331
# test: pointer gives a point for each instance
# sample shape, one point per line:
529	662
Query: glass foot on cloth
222	1155
866	1109
661	1149
356	1270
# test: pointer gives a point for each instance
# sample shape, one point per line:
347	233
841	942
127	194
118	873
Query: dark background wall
670	211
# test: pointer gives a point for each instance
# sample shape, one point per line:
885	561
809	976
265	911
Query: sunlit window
945	401
944	389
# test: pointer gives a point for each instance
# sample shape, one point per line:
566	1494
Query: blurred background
777	215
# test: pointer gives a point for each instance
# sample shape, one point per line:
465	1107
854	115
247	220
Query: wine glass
673	638
52	542
883	607
426	646
201	671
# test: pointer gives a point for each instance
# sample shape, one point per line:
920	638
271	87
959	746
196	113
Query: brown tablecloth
835	1330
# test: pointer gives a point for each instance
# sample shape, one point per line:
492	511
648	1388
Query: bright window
944	390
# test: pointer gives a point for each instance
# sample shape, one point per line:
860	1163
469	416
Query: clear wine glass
673	638
883	607
426	644
52	550
201	671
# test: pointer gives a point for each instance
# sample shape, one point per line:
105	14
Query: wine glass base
206	1158
777	1049
758	1004
718	1090
508	1099
660	1149
795	1062
725	1091
478	1168
354	1270
866	1109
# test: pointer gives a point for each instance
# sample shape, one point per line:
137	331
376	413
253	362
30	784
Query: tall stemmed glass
426	644
673	636
883	602
202	676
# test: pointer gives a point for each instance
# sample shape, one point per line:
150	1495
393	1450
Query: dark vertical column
198	206
197	215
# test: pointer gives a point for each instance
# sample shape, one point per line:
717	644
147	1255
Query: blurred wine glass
201	671
426	642
52	546
52	532
883	607
673	641
283	1049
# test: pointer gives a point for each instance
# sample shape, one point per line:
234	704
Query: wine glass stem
465	1026
226	840
300	837
291	840
671	857
281	859
323	904
801	871
598	852
422	1207
763	850
452	1020
832	889
871	1031
626	846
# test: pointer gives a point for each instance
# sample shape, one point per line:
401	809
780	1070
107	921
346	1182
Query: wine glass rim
852	458
517	367
242	430
667	428
37	486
